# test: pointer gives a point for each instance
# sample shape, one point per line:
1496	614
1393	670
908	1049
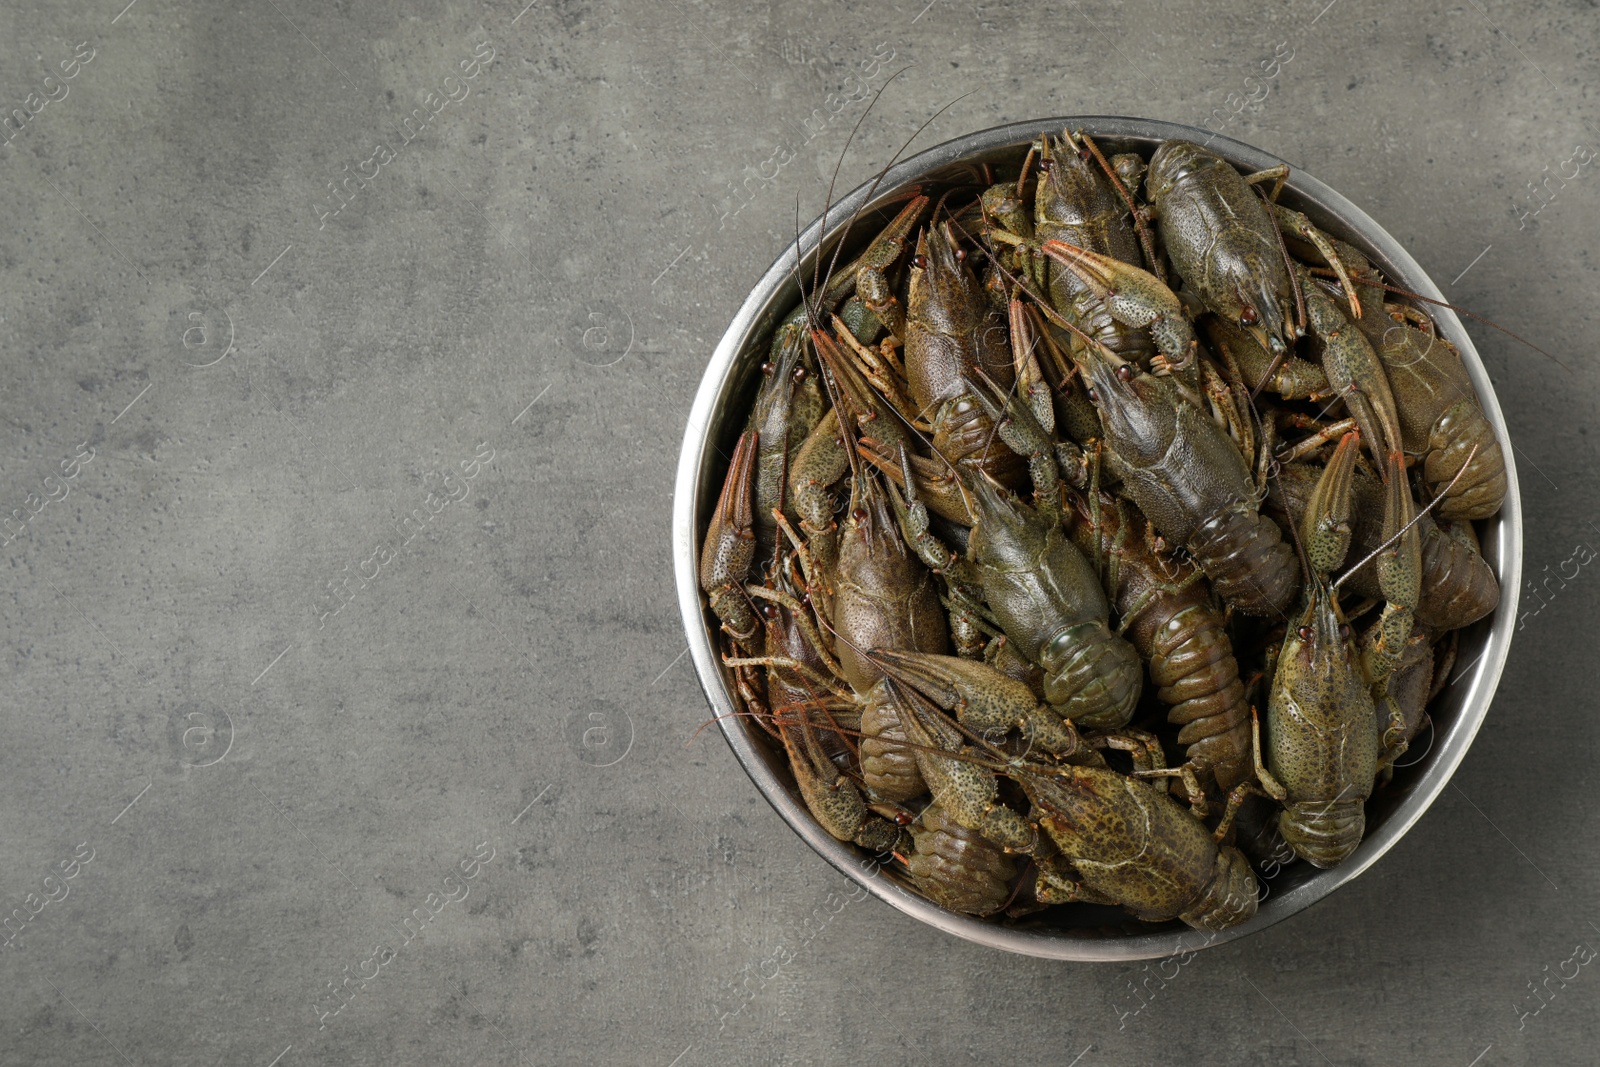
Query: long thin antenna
877	180
1324	272
833	180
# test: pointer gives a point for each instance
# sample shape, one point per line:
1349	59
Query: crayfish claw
730	545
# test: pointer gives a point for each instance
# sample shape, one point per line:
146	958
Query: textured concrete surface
339	454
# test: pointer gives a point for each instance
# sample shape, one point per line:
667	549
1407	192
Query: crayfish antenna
1557	360
820	286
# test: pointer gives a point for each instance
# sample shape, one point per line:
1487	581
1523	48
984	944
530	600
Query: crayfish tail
1092	676
1463	437
1248	562
1459	587
1192	663
1231	896
958	868
1324	833
888	765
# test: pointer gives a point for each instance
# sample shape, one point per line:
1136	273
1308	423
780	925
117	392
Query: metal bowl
717	418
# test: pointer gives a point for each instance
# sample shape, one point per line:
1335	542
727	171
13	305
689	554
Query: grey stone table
345	352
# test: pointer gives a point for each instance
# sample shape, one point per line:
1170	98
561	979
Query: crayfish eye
1344	631
1125	373
766	370
770	611
1248	316
919	261
799	375
1306	633
1083	154
1094	397
961	255
1045	165
859	515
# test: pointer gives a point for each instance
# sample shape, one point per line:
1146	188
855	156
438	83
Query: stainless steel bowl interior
715	422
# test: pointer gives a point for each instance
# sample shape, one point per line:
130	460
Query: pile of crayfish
1099	534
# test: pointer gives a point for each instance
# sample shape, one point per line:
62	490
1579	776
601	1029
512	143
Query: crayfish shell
1192	663
1092	676
1250	565
958	868
1459	587
1230	898
888	769
1463	438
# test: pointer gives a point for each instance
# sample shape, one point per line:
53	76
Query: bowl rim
1502	547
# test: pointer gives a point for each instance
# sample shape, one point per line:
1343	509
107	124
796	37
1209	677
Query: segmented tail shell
888	769
1247	560
1092	676
1192	661
1324	832
964	433
1229	898
1459	587
958	868
1482	488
